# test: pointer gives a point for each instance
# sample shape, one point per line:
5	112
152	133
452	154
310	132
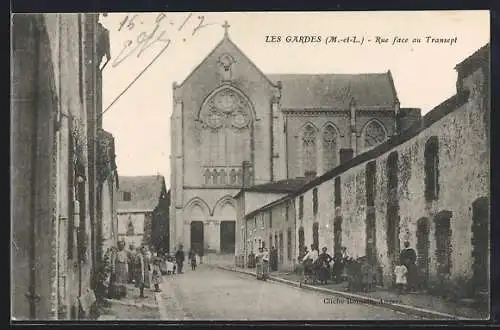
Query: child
401	272
192	257
156	277
170	266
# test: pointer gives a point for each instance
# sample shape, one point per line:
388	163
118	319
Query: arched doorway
197	236
423	244
226	212
480	243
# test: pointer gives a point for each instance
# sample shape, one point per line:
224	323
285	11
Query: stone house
428	185
261	223
56	99
142	206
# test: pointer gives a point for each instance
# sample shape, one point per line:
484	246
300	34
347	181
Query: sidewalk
131	307
420	304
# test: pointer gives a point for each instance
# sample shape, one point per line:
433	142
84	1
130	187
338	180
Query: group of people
262	269
322	267
142	266
317	266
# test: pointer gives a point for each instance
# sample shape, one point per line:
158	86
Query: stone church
233	126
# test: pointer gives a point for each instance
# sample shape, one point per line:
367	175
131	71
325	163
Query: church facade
232	126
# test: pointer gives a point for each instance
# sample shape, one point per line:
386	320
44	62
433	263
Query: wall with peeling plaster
464	171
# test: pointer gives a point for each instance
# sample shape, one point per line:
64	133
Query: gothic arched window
309	149
373	134
431	168
329	147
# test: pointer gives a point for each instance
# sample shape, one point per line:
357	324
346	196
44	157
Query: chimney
346	155
310	175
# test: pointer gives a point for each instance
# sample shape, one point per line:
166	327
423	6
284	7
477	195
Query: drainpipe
32	296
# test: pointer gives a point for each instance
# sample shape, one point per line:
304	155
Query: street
214	294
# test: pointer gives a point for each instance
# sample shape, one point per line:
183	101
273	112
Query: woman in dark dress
324	260
408	257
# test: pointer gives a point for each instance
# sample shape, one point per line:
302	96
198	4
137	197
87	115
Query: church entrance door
197	236
227	236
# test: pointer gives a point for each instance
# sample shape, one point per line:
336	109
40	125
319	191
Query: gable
210	73
143	192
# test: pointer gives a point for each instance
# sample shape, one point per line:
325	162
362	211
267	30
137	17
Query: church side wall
295	123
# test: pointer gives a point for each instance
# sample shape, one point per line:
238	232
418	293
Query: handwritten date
157	36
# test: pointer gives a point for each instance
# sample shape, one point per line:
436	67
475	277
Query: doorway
197	236
227	236
423	244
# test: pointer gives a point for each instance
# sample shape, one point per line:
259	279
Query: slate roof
145	192
335	91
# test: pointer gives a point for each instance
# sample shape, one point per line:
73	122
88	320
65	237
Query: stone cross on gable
226	27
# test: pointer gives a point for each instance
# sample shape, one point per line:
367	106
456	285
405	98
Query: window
309	149
301	207
374	134
301	242
270	219
431	165
370	183
338	200
207	176
392	176
127	196
262	222
329	148
315	233
392	213
315	201
287	211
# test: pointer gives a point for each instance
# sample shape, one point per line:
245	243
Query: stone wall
458	126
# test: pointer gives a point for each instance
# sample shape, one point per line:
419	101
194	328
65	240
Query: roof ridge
328	74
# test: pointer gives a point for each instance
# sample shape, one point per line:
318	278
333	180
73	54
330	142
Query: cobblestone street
214	294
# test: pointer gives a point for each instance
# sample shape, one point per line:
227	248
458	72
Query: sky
139	116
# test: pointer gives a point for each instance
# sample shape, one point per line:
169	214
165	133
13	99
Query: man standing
131	256
142	271
121	270
179	259
408	258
